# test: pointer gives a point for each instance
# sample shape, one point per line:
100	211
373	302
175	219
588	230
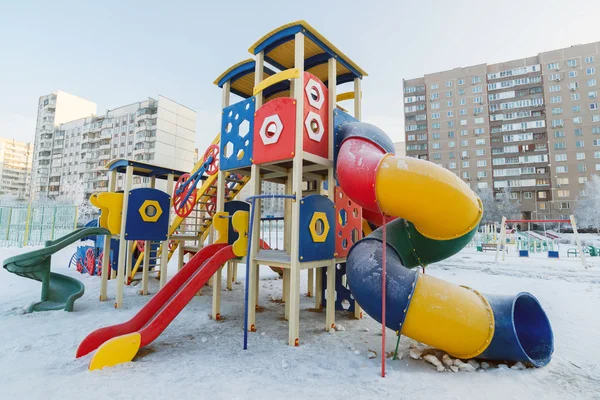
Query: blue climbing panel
237	127
344	301
151	203
316	233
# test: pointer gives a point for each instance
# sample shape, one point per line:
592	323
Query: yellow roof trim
316	33
228	70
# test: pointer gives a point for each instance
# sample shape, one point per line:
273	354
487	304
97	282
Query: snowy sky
115	53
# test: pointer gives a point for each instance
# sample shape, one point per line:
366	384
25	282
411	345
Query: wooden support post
319	288
123	244
112	178
218	277
146	267
310	277
298	83
164	256
180	255
229	275
358	116
129	263
286	292
256	284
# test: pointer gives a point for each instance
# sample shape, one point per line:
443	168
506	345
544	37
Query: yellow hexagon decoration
318	216
146	217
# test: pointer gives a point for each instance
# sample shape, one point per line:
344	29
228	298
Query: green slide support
58	291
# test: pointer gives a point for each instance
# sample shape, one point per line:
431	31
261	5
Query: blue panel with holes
237	125
311	249
344	301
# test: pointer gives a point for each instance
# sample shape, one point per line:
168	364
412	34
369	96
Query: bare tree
498	205
587	210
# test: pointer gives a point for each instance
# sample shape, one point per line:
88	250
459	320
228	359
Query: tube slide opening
532	329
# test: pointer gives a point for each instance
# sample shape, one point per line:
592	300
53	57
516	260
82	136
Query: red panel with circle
274	131
315	121
348	223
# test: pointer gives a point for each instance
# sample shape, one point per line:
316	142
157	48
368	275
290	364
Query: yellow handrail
278	77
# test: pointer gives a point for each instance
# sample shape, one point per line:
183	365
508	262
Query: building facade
72	155
529	126
15	168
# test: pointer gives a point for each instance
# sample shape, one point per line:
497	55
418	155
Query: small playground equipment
90	259
287	128
530	242
58	291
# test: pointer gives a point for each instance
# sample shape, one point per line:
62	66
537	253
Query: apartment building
15	168
400	148
529	126
73	154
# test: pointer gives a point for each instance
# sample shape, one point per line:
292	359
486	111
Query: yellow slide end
118	350
450	317
437	202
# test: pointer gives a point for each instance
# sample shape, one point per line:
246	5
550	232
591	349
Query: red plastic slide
159	303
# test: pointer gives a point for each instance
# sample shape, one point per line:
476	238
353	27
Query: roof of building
278	47
143	169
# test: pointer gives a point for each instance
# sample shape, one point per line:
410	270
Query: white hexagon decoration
314	126
271	137
318	102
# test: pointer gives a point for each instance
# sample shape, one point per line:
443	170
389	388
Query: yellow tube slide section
436	201
455	319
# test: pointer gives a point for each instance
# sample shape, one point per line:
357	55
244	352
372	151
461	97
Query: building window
466	175
542	195
559	134
562	169
435	115
577	120
580	156
576	108
556	99
434	86
434	96
560	157
527	195
593	94
557	111
449	93
435	125
479	142
463	112
451	165
581	168
591	82
448	104
464	143
464	154
593	106
482	163
476	79
450	123
482	174
477	89
572	63
575	96
451	144
480	152
451	134
464	132
478	100
554	88
554	77
450	113
590	71
436	146
572	74
514	195
553	65
579	144
437	156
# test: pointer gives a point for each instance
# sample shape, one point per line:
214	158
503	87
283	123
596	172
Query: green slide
58	291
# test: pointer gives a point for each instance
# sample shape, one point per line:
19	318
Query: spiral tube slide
437	215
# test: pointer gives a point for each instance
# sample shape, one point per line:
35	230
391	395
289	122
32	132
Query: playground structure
526	244
341	179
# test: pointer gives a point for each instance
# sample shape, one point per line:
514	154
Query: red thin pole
383	295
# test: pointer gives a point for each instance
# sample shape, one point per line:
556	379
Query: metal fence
271	231
32	224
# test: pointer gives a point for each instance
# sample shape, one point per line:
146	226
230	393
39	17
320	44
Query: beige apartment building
15	168
529	126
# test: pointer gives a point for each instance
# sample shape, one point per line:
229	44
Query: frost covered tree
75	194
498	205
587	210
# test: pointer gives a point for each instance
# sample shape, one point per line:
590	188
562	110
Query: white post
106	269
145	267
218	277
298	83
357	115
164	255
499	241
123	239
576	234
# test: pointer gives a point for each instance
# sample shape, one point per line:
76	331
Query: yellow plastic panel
450	317
278	77
316	237
439	203
111	204
118	350
240	225
366	228
221	224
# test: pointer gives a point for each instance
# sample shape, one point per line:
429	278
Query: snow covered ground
197	357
